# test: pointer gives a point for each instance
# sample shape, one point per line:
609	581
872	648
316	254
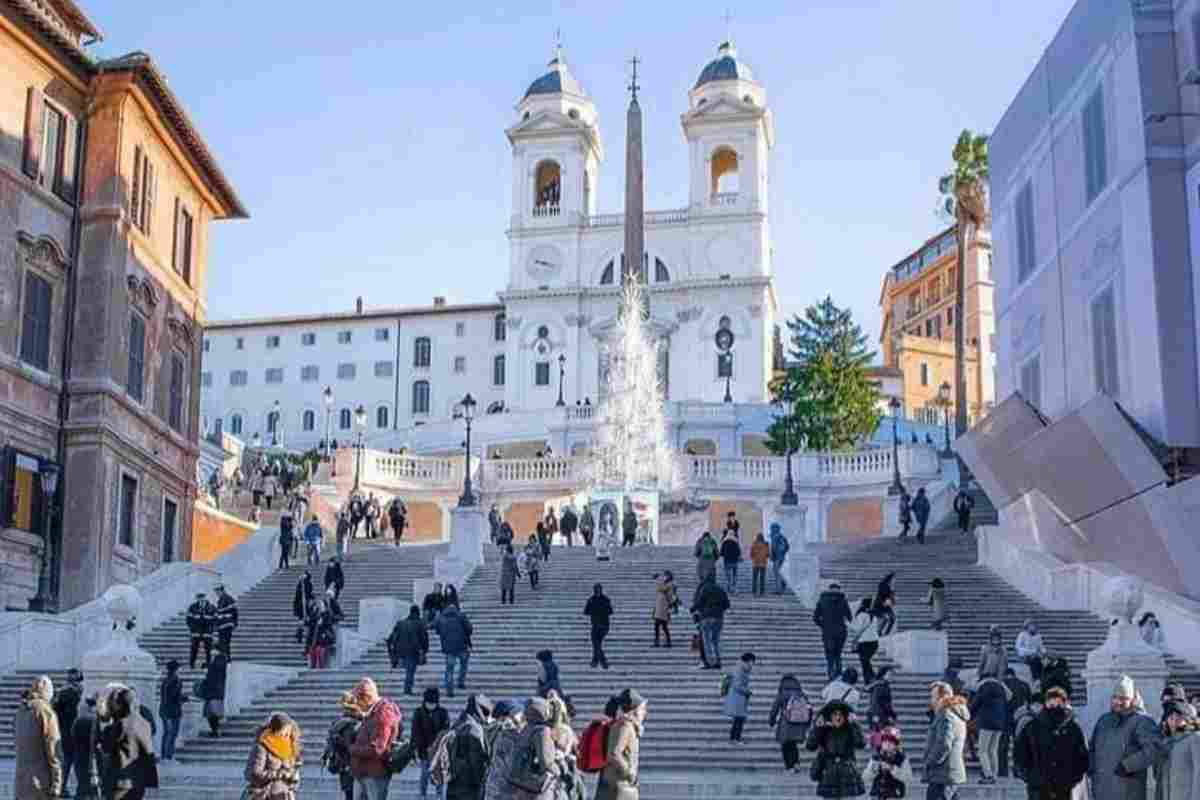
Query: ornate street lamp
943	400
789	497
327	395
562	369
468	496
44	601
360	423
275	424
897	487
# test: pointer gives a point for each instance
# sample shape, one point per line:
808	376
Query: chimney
439	301
358	305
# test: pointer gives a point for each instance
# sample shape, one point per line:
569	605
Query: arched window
661	273
272	421
500	327
235	424
422	352
381	417
498	371
420	397
547	188
724	171
309	421
344	419
606	277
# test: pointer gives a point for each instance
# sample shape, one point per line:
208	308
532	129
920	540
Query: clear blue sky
367	137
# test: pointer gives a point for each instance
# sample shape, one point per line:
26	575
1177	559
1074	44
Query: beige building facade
917	332
107	192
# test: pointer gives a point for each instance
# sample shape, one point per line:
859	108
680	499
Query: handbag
400	755
149	770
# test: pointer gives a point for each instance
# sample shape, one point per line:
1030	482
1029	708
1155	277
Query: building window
175	395
20	476
35	324
239	343
134	379
422	352
181	251
237	377
382	334
1095	145
500	327
346	372
235	424
725	365
169	517
1031	381
924	374
606	277
384	369
344	419
207	345
1026	242
381	417
54	124
929	329
937	327
126	529
541	373
420	397
308	339
460	365
343	337
143	191
272	342
310	373
661	273
498	371
1104	343
206	379
274	374
308	421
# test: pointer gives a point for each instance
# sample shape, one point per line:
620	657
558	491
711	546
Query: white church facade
541	342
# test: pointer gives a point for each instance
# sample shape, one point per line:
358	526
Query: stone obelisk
635	197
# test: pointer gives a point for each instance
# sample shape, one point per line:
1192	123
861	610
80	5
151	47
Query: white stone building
708	267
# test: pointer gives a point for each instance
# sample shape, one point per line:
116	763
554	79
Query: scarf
280	746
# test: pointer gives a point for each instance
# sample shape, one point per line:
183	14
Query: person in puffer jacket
945	767
889	772
274	765
501	737
989	708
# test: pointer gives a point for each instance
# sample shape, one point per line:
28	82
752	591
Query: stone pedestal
891	516
468	532
120	660
802	569
920	652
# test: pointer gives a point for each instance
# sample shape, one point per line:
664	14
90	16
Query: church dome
558	80
725	67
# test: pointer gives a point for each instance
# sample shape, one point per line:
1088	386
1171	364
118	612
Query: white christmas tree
631	452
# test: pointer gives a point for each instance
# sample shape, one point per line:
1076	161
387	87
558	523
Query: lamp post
327	395
728	356
275	424
789	497
468	496
562	370
44	601
897	487
944	402
360	423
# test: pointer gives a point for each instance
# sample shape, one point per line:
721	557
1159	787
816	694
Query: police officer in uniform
226	620
200	617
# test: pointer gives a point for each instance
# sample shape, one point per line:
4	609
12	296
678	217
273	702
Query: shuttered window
1026	247
420	397
181	252
137	358
1095	145
1031	381
175	396
51	142
143	189
1104	343
35	325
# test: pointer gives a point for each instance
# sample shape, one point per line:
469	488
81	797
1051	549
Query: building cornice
350	316
674	287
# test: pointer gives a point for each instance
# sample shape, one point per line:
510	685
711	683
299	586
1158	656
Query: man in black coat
171	698
471	759
568	525
128	748
200	618
407	644
1052	751
963	505
398	517
708	609
287	538
66	708
334	577
1021	692
599	609
83	735
920	510
831	615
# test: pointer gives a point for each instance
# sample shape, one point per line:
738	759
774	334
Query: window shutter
151	196
35	109
175	251
135	192
68	167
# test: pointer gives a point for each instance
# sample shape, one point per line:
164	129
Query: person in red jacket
368	754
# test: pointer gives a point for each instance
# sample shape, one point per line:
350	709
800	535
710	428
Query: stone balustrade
674	216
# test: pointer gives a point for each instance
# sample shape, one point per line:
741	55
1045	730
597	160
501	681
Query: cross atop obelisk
635	193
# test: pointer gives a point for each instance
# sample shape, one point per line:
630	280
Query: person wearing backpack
429	720
501	739
706	552
619	777
760	555
534	767
382	725
779	551
454	629
791	715
880	707
336	758
737	699
468	751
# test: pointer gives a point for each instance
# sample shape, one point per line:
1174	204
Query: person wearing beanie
889	773
619	778
1051	753
336	757
1177	775
779	550
835	737
429	720
831	615
737	699
1125	743
993	656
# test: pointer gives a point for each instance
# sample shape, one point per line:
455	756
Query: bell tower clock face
544	262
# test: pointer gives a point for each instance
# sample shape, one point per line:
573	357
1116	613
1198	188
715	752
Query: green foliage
827	401
964	189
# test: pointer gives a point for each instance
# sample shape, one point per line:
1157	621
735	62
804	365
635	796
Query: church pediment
548	122
725	105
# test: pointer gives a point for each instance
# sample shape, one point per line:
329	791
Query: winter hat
1182	709
937	583
1123	687
544	655
1174	691
834	707
775	528
631	699
505	708
432	695
75	676
612	706
748	658
850	675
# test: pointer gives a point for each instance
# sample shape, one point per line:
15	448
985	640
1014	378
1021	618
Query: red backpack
593	746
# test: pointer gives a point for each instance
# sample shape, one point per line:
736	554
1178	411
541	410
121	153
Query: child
888	773
531	559
737	700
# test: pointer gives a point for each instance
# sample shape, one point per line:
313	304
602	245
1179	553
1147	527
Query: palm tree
965	198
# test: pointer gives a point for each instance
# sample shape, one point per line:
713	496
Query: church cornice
674	287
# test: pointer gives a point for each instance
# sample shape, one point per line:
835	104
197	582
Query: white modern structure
707	266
